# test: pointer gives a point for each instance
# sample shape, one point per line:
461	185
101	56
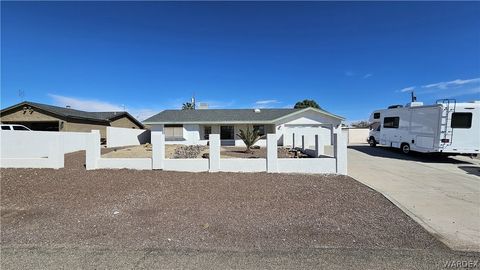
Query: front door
227	133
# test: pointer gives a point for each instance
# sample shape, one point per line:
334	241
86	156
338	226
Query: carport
308	131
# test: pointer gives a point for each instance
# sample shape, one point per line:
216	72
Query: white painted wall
324	133
117	137
125	163
271	164
261	143
357	135
191	133
31	149
309	118
306	165
33	143
340	151
74	141
186	165
338	164
243	165
26	144
95	161
309	124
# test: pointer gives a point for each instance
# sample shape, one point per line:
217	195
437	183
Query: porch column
319	146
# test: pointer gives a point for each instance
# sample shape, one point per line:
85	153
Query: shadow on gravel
394	153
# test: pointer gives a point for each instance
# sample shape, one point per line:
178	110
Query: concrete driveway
442	194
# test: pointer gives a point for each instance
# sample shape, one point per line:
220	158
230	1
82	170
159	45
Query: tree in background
249	137
188	106
360	124
306	103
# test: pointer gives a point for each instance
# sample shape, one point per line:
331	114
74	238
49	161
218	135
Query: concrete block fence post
93	150
272	154
214	155
340	152
158	150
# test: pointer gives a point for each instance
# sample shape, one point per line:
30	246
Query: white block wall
117	137
243	165
340	151
74	141
325	134
186	165
306	165
95	161
31	149
125	163
215	164
357	135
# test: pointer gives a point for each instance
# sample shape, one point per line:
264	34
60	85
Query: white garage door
308	132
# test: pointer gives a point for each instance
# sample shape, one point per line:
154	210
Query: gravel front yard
72	207
145	151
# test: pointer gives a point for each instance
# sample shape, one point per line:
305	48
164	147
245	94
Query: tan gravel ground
202	211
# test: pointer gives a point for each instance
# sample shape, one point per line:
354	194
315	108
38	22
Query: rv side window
376	115
461	120
391	122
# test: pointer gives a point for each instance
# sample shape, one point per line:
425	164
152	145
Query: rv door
389	131
465	125
424	127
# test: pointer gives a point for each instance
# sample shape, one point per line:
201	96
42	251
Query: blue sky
351	58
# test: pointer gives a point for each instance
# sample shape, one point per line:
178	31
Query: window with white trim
173	132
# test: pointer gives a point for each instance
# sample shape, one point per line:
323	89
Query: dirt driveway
442	194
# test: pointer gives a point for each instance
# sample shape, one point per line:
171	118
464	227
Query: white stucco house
193	127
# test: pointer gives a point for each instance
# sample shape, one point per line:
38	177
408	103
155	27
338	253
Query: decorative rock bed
189	151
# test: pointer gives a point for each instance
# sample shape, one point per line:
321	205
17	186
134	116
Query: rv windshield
375	126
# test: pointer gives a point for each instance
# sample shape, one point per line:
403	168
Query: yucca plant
249	137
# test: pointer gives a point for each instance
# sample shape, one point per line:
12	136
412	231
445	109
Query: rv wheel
405	148
372	142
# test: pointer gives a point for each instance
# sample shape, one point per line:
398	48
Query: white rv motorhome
446	127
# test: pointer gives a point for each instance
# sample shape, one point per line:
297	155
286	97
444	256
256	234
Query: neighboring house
37	116
194	126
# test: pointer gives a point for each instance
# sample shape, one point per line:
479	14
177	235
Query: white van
13	127
446	127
